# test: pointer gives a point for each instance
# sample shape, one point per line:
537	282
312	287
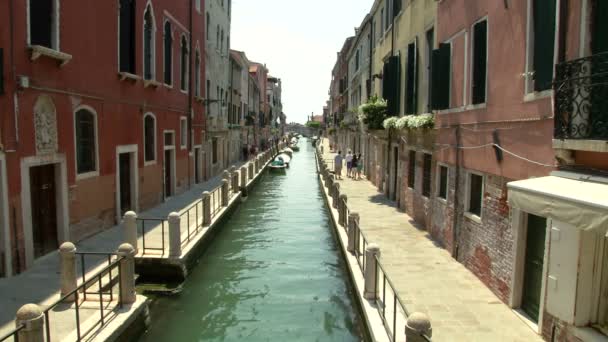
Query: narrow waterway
272	273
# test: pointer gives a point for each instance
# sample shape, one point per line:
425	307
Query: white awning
583	204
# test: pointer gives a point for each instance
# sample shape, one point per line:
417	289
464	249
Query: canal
272	273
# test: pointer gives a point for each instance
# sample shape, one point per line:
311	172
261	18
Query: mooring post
243	176
353	223
335	195
250	167
226	175
127	273
342	199
235	181
225	192
372	251
67	252
129	226
32	318
206	208
417	326
175	243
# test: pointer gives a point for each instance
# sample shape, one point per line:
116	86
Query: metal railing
581	98
151	223
216	201
14	334
361	243
102	284
109	258
192	219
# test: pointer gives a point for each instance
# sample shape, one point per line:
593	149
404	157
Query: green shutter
480	54
600	27
544	43
441	60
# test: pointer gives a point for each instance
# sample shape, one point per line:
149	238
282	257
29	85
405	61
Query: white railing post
206	208
129	226
418	324
31	316
371	284
175	235
127	273
67	252
353	221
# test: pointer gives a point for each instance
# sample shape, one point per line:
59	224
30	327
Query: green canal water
272	273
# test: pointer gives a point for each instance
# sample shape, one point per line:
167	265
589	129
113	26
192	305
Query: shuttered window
148	44
42	17
411	94
411	170
426	175
441	66
391	80
396	7
85	141
184	64
168	51
149	138
480	54
127	36
544	42
214	150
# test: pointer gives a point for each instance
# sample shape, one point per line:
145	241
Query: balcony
581	104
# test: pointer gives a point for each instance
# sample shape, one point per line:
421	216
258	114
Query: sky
298	41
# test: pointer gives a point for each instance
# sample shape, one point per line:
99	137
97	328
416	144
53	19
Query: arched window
86	153
184	63
148	44
149	138
197	74
43	23
127	36
168	51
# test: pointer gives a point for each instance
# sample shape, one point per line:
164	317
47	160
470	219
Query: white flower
390	122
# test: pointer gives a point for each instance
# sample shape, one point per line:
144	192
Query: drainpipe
455	227
190	93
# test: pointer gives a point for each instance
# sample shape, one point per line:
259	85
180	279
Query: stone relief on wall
45	124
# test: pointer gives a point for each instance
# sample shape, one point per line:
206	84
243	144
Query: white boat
286	158
278	165
287	151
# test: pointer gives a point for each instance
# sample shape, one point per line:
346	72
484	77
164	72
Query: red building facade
101	113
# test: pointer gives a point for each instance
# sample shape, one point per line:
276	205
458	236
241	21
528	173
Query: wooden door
44	209
124	164
168	177
533	265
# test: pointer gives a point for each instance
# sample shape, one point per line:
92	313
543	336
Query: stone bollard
371	284
127	274
226	175
418	324
129	226
243	176
225	193
67	253
206	208
32	318
335	194
235	182
175	236
342	209
232	169
250	167
257	165
353	222
330	183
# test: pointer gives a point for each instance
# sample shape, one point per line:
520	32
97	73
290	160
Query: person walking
359	166
338	165
349	163
353	167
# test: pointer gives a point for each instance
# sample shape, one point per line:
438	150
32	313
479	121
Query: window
442	189
197	74
426	175
440	77
411	171
430	42
43	23
475	194
381	31
86	154
169	139
198	6
127	36
479	62
184	63
148	44
411	86
357	61
149	138
208	90
214	150
543	42
183	132
168	50
227	44
208	25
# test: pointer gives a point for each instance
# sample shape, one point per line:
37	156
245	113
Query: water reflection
273	273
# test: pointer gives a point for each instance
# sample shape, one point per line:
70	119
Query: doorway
124	174
168	173
533	266
127	187
43	192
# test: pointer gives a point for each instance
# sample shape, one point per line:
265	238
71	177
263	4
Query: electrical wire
446	146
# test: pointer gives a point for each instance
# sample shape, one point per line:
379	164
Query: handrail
198	223
13	333
216	201
83	255
73	297
143	221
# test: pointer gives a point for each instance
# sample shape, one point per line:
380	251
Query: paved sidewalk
40	283
427	278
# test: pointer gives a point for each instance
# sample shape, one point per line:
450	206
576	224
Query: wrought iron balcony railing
581	98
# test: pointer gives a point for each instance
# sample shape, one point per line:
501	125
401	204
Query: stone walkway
41	282
426	277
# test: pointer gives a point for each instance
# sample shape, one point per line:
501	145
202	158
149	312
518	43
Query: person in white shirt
338	165
349	163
